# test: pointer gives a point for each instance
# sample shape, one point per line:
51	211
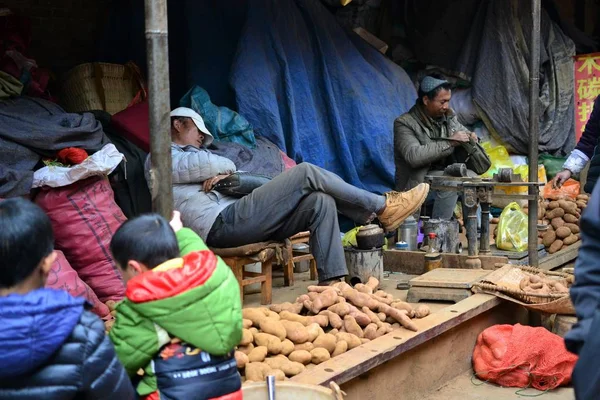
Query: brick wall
64	32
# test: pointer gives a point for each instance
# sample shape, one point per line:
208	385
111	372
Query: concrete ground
466	387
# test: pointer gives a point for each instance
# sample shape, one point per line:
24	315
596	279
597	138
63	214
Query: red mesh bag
84	217
63	277
522	356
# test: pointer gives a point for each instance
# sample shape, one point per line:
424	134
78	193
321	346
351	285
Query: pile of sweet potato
542	284
286	339
562	218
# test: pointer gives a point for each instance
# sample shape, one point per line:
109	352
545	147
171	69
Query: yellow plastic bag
512	229
349	238
499	157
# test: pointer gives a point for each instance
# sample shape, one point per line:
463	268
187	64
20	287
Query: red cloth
132	123
63	277
84	217
72	155
522	356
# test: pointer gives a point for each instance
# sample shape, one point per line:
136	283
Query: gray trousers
304	198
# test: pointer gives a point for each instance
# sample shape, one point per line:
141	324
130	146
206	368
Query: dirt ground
464	387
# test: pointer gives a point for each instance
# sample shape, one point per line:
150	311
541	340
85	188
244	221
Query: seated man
181	318
51	345
304	198
425	139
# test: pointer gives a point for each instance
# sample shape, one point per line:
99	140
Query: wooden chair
237	258
292	257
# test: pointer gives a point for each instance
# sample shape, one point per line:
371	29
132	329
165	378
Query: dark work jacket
52	348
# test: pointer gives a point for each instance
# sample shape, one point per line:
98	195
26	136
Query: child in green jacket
181	317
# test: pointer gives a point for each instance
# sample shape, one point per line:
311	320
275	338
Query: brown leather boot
400	205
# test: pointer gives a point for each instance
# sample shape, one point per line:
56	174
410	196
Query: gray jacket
416	150
191	167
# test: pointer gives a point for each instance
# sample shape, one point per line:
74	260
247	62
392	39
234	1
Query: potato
352	326
308	346
563	232
313	331
340	348
277	373
319	355
326	341
255	371
246	349
295	331
247	323
421	311
573	228
254	314
241	359
556	246
570	240
333	332
247	337
583	196
371	331
381	316
571	219
254	331
258	354
581	204
273	327
552	205
557	222
272	343
287	346
568	206
352	340
556	213
302	356
276	362
292	368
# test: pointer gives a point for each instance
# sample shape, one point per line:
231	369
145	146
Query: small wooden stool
288	269
238	257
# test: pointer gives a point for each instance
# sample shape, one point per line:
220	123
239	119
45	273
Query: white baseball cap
198	121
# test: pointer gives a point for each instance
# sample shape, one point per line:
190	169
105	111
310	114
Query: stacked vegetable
562	218
542	284
286	339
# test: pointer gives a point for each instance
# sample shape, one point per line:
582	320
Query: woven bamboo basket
101	86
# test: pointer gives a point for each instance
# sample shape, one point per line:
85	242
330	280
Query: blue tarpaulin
321	94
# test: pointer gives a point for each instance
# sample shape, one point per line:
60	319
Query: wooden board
417	294
554	260
413	262
449	278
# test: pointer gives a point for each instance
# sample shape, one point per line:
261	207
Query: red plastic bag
62	276
522	356
84	217
570	189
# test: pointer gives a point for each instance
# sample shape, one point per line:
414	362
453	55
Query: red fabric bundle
72	156
62	276
522	356
84	217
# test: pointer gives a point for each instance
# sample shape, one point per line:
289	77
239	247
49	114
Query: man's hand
473	137
459	137
561	178
175	222
208	184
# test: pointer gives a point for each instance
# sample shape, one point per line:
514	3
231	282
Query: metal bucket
447	233
363	264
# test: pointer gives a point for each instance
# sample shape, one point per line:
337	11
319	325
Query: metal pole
157	50
534	122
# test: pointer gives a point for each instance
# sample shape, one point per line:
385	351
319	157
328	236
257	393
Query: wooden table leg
288	269
313	269
267	285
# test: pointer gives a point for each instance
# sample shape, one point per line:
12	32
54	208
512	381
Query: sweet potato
341	309
258	354
570	240
324	300
361	318
574	228
421	311
287	346
359	299
371	331
254	314
246	323
557	222
352	340
302	356
335	321
320	289
308	346
401	305
363	288
556	246
326	341
247	337
398	316
319	355
373	317
352	326
272	343
381	316
294	308
340	348
373	283
313	331
273	327
246	349
295	331
555	213
253	330
241	359
322	320
563	232
333	332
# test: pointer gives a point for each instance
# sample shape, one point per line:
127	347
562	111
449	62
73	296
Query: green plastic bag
349	238
512	229
552	164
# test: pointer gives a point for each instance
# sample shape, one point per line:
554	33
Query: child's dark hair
148	239
26	238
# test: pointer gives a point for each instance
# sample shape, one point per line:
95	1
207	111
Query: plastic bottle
433	259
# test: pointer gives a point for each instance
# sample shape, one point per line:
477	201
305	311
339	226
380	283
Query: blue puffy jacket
51	347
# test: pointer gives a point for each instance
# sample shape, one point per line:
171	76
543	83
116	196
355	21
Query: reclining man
425	142
304	198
